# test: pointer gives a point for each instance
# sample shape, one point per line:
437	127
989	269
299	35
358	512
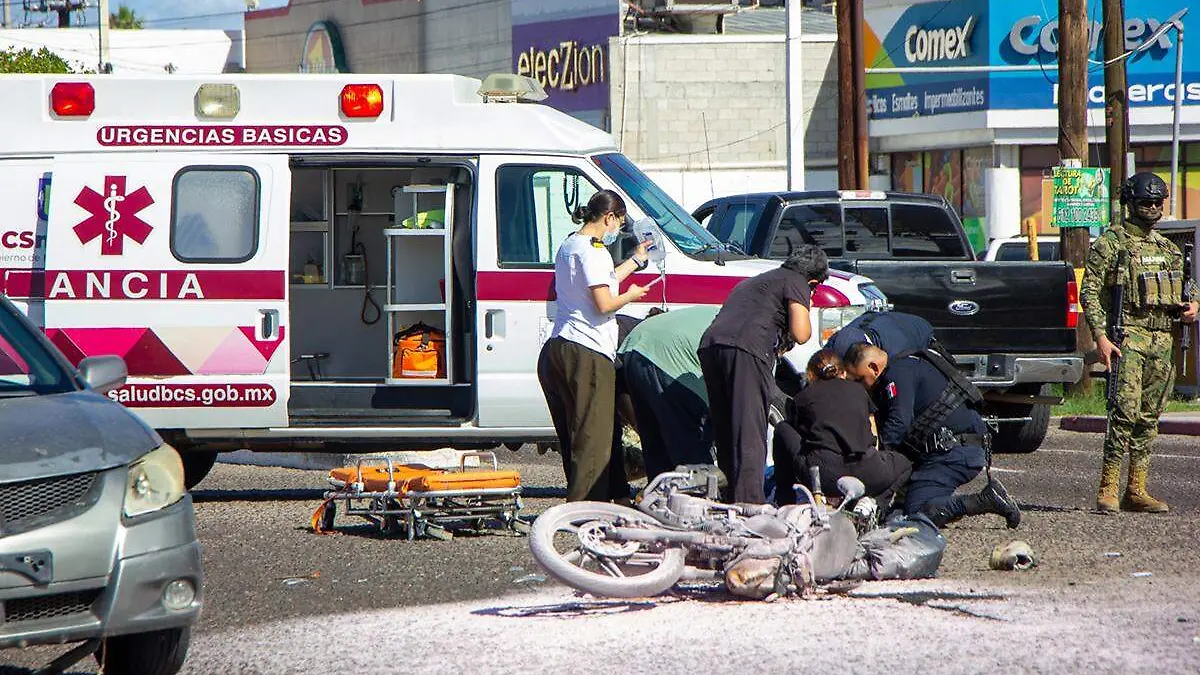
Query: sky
226	14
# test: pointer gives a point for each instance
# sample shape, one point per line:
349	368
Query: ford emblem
964	307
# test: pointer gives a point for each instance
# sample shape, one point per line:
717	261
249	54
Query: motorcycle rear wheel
630	572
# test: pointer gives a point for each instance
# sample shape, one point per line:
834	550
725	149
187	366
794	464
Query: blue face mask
610	238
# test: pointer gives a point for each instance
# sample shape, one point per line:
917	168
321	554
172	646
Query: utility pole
105	37
1116	105
860	95
847	103
1072	134
7	16
795	99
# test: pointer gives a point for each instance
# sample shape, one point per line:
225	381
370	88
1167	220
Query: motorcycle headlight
155	482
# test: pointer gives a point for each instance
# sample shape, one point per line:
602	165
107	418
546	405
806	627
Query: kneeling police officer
928	413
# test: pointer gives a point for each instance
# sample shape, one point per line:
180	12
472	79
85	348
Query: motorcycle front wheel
567	541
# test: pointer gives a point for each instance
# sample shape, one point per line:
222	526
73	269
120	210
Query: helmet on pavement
1143	185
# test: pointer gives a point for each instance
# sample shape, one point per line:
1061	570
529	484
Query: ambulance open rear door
177	262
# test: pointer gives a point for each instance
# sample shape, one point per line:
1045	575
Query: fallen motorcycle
679	532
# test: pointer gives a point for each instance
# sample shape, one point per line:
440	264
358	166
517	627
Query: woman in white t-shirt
575	367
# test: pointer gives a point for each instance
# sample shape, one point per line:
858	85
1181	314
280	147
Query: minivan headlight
155	481
834	319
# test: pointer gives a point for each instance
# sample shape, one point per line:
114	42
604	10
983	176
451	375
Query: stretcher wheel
393	523
328	516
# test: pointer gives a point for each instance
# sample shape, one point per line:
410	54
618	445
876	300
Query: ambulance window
534	204
214	214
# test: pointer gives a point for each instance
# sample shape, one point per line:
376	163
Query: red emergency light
73	99
362	100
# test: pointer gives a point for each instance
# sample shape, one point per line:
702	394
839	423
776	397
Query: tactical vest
1153	279
959	391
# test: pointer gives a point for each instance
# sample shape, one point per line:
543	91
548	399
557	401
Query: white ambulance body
251	244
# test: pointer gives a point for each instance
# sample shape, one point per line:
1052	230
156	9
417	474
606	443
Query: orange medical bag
419	351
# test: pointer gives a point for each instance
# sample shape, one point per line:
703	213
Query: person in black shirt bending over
831	428
737	356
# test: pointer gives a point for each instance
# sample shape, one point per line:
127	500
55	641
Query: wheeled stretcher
416	501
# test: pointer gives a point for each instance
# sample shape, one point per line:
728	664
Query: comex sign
1137	30
922	45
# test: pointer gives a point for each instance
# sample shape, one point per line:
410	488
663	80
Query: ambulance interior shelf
405	249
419	255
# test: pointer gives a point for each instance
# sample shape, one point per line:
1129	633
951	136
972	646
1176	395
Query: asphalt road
283	600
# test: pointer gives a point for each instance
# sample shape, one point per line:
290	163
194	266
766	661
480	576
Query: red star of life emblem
113	215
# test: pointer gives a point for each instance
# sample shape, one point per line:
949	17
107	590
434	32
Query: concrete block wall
692	101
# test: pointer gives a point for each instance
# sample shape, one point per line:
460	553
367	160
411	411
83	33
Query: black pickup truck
1010	325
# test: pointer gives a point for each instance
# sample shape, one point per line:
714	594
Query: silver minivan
97	537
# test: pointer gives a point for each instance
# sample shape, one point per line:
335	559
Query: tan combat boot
1136	498
1110	478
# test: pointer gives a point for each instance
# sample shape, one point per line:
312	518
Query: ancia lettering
124	286
566	67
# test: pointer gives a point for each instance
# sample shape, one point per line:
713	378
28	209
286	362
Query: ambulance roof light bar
72	99
510	88
362	100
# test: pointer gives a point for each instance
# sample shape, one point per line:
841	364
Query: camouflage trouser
1145	378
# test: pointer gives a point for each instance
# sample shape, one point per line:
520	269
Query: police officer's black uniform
944	458
893	332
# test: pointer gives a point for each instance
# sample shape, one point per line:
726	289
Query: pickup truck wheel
1022	437
196	465
157	653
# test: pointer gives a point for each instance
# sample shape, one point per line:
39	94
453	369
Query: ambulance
257	248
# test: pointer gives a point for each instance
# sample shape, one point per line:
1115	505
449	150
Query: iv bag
646	229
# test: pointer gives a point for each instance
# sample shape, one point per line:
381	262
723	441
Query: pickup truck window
866	232
1047	250
925	232
740	218
818	224
534	205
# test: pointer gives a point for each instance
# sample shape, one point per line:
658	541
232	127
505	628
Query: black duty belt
945	439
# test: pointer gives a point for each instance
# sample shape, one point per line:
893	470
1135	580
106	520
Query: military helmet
1143	185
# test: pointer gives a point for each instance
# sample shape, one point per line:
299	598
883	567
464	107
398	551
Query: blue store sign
1011	33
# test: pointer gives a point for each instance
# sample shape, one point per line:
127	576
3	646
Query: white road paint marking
1096	453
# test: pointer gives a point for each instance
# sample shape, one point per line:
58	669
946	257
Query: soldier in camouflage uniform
1153	297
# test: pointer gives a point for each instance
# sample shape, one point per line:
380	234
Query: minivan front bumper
153	551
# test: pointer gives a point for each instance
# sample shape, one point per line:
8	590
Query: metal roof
774	22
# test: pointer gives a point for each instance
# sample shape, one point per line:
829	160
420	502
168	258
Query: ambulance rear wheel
196	465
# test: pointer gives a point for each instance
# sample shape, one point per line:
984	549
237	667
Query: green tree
26	60
124	18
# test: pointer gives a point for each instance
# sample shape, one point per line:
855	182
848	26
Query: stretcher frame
416	513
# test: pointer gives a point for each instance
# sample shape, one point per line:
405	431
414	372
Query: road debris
1015	555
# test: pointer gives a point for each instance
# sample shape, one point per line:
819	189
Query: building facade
703	114
982	129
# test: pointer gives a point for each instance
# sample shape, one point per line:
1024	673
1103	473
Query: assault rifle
1116	328
1189	289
